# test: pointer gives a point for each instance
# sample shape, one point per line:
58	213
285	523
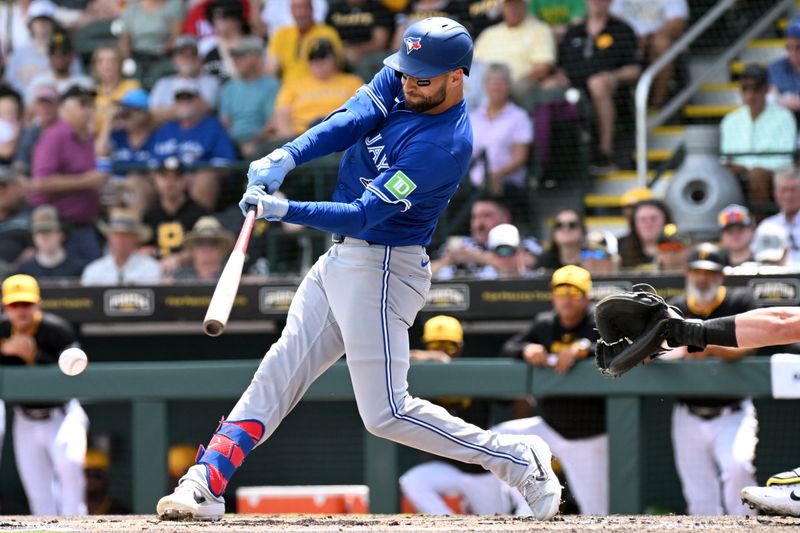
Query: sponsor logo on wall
128	302
275	300
447	297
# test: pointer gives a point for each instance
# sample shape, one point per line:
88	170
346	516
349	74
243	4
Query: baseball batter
49	438
409	142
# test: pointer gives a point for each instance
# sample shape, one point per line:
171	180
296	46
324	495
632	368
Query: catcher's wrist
721	331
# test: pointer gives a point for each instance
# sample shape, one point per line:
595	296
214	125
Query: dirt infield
325	523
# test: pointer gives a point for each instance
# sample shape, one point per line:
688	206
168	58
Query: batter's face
424	94
21	314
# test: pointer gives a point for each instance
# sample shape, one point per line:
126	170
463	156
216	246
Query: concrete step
763	51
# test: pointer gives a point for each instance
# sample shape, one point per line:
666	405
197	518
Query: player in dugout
49	436
408	142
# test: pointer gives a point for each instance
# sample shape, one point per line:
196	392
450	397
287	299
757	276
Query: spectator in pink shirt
65	174
504	132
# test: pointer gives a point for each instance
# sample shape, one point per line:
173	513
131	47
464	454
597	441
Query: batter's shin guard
231	443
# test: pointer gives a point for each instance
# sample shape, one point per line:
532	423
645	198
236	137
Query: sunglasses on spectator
597	255
569	291
185	96
420	81
448	347
567	224
733	217
670	246
20	305
206	242
505	250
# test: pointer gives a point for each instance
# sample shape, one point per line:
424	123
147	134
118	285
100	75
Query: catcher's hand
633	326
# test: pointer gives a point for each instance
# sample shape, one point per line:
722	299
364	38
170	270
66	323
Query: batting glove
269	171
267	206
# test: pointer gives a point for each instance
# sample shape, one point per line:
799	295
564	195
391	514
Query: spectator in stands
28	60
77	14
601	57
65	172
574	428
61	60
508	256
365	27
44	110
566	241
771	246
172	216
470	256
111	85
426	484
14	236
308	99
784	74
230	26
247	101
673	249
714	439
188	66
736	234
639	248
558	14
123	264
14	21
287	54
503	133
197	23
51	259
757	127
11	111
521	42
208	245
150	28
130	148
278	14
632	197
786	185
599	253
658	24
199	140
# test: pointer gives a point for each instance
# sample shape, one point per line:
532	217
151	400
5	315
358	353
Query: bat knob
213	328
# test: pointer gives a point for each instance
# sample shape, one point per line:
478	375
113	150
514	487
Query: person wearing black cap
714	439
757	127
61	71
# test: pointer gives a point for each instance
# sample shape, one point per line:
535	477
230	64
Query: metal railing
645	124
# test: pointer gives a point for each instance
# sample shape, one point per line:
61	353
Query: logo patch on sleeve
400	185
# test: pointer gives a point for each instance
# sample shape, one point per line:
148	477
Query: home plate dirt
463	524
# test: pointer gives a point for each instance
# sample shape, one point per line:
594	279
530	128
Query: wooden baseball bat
219	308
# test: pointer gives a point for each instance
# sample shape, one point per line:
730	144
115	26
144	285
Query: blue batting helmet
432	47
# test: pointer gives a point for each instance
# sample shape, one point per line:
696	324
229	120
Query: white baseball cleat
190	501
781	496
541	487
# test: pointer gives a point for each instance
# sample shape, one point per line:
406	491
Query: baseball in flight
73	361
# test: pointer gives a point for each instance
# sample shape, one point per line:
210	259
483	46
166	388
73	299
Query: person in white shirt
786	185
123	264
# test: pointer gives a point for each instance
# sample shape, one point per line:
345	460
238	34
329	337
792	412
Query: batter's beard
428	102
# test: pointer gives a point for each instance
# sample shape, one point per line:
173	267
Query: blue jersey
125	157
205	143
399	172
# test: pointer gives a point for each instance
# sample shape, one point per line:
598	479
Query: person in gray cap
14	236
714	439
247	101
757	127
51	259
188	66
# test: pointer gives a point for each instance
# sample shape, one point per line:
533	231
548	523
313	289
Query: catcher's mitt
633	326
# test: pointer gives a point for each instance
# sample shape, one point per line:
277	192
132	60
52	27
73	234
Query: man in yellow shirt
287	53
523	43
307	100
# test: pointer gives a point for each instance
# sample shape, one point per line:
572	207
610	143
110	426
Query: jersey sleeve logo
400	185
412	43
